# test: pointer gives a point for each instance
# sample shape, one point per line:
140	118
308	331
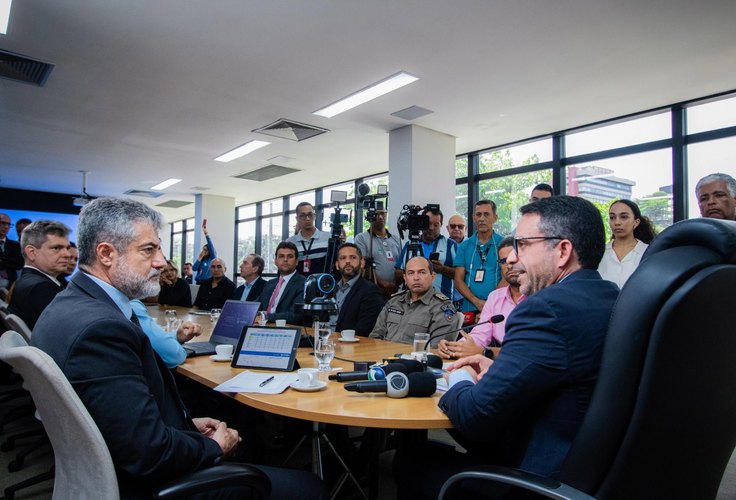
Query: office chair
16	323
3	293
662	420
70	428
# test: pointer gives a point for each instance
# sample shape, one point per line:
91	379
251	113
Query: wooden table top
332	405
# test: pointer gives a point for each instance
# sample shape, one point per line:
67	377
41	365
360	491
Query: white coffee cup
348	334
281	323
224	350
308	377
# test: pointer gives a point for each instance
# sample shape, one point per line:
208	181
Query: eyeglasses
537	238
3	223
309	215
457	226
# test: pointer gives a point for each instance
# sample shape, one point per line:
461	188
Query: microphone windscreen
422	385
394	367
412	365
434	361
497	318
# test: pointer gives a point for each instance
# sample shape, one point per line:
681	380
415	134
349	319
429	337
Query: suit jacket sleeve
364	304
292	295
120	401
40	297
12	258
532	363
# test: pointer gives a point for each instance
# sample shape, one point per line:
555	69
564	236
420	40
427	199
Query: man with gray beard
90	331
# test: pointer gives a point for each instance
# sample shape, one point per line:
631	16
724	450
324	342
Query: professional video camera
336	221
370	202
410	220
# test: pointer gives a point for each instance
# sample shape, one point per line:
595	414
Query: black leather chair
662	421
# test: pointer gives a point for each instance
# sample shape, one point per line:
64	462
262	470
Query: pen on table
267	381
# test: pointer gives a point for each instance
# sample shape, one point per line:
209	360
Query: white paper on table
248	381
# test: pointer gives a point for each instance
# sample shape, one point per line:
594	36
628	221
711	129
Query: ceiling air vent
412	113
22	69
174	204
143	194
288	129
266	173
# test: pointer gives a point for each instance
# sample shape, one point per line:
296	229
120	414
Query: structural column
220	214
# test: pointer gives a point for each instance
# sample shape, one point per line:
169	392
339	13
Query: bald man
215	291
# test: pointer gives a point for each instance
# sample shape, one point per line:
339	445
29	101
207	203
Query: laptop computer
234	317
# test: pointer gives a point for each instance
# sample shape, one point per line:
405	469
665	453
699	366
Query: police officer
420	309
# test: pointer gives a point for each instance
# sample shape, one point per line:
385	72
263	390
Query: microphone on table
374	373
399	385
434	361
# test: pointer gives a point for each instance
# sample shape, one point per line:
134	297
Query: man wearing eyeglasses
213	292
11	259
477	271
524	409
311	243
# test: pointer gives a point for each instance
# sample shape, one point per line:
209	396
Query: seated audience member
434	242
122	382
541	191
21	225
70	266
716	195
381	250
631	235
11	258
311	243
500	301
358	300
188	273
174	290
477	271
202	266
279	296
213	292
46	247
421	309
251	270
168	345
524	409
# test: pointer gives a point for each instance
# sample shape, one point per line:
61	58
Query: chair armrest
219	476
532	482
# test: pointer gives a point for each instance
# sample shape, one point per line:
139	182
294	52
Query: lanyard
481	254
306	250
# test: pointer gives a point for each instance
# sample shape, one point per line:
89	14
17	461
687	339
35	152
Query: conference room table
333	405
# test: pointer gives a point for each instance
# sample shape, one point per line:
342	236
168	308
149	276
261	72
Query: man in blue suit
280	295
525	408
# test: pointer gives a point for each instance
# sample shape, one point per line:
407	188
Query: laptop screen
235	315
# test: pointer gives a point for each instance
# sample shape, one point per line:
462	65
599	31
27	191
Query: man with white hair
716	195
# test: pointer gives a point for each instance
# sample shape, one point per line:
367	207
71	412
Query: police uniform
401	318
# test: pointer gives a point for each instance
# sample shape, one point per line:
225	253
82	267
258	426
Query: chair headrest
714	234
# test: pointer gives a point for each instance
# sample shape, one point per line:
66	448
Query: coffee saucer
321	384
349	340
215	357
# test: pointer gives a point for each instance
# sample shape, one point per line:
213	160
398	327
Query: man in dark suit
46	246
213	292
123	383
525	408
11	259
280	295
358	300
251	270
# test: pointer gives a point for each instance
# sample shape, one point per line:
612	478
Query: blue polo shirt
469	255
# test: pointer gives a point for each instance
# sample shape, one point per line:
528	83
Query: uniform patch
394	310
448	311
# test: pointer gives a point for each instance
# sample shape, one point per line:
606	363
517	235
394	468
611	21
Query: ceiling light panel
4	15
167	183
243	150
367	94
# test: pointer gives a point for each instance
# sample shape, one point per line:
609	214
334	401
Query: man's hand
206	425
477	365
187	331
204	227
455	350
228	439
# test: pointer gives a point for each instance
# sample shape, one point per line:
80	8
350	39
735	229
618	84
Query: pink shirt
499	302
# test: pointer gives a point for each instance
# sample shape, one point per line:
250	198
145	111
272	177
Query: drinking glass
324	351
420	340
169	316
215	315
173	325
322	330
262	318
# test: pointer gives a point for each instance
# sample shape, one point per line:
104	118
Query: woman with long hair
632	233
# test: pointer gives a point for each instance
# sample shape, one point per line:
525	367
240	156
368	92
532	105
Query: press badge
389	255
479	275
306	265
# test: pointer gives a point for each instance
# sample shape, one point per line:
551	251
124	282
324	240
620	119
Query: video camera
370	202
410	220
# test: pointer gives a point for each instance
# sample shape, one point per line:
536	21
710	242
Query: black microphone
496	318
398	385
375	373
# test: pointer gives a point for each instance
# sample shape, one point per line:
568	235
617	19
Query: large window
182	242
707	158
246	231
509	193
636	131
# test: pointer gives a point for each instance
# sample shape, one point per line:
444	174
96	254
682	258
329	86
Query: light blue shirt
164	343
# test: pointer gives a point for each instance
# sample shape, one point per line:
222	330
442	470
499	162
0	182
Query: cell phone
434	256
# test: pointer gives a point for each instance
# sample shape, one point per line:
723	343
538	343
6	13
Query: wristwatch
488	353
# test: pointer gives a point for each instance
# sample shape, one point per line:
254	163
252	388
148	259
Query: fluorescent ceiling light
4	15
243	150
367	94
163	185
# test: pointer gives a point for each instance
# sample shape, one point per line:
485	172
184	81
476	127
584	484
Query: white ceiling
146	90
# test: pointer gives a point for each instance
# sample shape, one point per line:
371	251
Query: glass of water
215	315
170	316
262	318
322	330
420	340
324	351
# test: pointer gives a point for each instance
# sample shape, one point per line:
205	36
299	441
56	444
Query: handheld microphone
496	318
433	361
375	373
398	385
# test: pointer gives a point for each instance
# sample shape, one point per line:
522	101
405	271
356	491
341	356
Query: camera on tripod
370	202
410	220
336	218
